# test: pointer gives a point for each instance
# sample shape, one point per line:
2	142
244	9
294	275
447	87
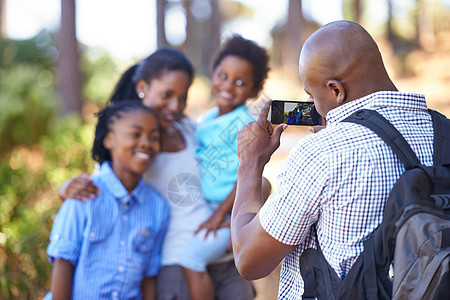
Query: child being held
110	247
239	72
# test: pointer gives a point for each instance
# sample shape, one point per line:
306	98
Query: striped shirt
114	241
341	178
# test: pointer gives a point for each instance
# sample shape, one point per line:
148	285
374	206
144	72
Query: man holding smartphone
336	181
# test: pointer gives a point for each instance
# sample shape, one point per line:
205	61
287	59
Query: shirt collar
377	100
116	188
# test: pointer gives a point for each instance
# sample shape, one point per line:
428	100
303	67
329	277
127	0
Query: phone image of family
294	113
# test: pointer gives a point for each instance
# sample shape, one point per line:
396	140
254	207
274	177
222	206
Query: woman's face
166	95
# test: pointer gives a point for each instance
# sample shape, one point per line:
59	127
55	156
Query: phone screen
294	113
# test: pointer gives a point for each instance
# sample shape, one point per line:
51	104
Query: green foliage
100	74
28	98
28	104
38	152
38	51
28	101
29	177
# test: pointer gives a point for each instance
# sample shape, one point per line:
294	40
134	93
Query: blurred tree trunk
357	11
293	36
211	42
390	31
68	61
425	29
190	44
202	34
160	23
3	18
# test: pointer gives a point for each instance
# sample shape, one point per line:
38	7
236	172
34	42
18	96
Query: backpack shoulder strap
441	127
388	133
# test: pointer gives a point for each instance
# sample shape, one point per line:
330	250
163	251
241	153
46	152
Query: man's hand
256	253
258	140
315	129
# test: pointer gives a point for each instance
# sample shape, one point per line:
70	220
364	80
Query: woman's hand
80	188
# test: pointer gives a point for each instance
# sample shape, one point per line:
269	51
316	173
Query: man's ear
108	141
337	89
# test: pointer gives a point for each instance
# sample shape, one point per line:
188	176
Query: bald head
345	52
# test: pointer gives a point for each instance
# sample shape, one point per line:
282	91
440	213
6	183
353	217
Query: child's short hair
106	117
248	50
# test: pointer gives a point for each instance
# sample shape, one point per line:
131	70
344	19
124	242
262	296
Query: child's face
232	83
133	142
166	95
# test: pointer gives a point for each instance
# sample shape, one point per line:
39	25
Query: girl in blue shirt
110	247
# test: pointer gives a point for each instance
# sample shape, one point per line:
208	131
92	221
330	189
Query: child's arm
62	278
154	263
64	247
217	219
149	288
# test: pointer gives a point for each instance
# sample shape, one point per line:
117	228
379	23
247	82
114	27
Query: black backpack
413	238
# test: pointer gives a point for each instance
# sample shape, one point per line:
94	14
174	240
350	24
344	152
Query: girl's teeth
225	95
142	155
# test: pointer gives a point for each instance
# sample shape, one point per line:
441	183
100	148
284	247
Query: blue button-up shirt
114	241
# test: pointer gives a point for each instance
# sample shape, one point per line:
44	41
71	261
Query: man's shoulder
337	134
334	140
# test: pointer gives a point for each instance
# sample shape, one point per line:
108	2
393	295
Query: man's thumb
278	131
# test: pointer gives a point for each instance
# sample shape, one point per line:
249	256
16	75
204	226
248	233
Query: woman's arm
149	288
62	279
80	188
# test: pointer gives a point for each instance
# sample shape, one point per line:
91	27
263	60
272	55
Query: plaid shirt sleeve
288	213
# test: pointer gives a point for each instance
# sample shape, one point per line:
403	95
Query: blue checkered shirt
114	241
341	178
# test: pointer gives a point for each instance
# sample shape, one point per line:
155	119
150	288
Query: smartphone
294	113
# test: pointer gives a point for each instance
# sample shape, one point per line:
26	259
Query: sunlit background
128	29
48	98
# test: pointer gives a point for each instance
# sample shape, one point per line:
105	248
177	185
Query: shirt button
122	243
125	217
115	294
92	234
120	269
